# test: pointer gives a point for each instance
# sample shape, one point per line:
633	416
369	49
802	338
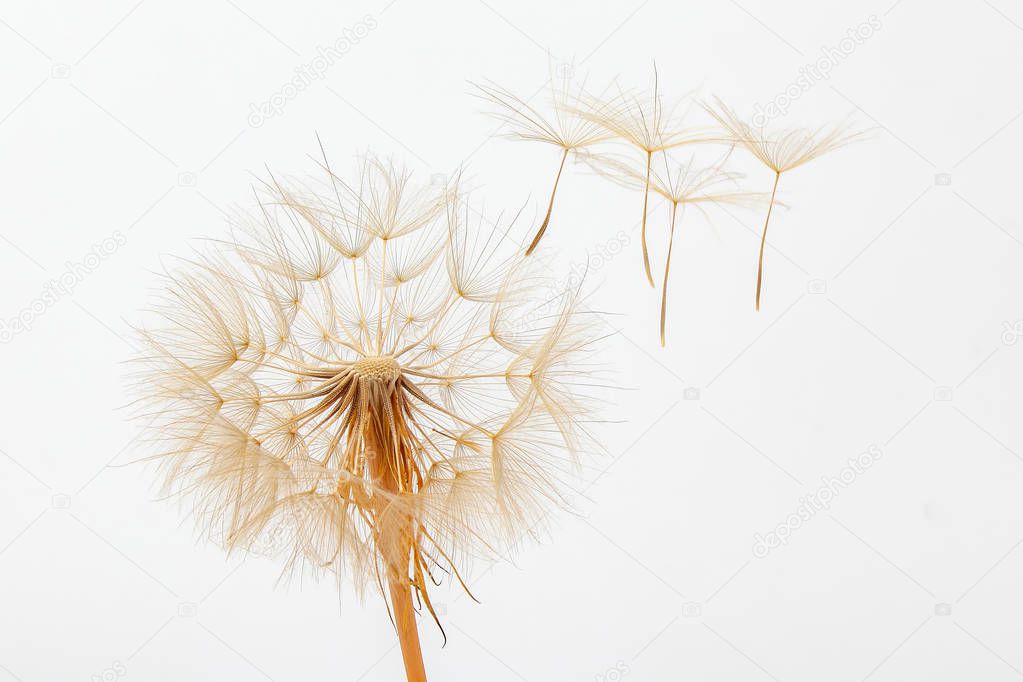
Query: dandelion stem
550	205
405	624
667	266
398	584
763	240
642	229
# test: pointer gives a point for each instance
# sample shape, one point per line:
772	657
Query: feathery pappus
370	366
653	130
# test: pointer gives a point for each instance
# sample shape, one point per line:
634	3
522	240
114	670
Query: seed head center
381	368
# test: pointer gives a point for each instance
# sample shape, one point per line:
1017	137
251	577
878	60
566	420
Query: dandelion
641	120
367	369
562	127
681	184
782	151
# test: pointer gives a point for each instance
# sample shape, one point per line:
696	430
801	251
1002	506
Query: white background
890	320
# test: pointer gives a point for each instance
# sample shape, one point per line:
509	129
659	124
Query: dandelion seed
781	151
681	184
641	120
362	377
562	127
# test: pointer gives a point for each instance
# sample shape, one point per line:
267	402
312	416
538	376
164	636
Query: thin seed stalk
550	206
667	266
642	229
380	307
398	584
763	240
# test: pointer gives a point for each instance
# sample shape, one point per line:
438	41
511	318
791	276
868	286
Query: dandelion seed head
370	370
379	368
